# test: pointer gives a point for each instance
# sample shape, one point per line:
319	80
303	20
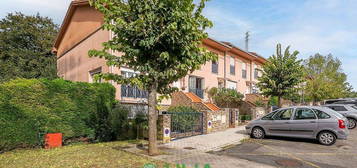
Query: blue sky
309	26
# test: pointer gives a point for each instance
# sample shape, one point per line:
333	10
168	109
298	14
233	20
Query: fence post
207	122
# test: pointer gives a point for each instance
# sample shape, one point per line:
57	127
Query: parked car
347	102
319	123
339	101
347	110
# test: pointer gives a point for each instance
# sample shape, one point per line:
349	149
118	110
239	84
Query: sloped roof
212	106
193	97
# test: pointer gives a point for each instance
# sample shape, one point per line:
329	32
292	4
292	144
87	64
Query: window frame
292	113
214	67
332	107
313	112
244	70
272	115
92	74
316	113
232	67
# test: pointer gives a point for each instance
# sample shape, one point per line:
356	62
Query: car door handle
312	121
287	122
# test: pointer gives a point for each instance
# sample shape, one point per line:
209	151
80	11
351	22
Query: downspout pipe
225	69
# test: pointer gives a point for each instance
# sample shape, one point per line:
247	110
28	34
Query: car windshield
269	116
355	107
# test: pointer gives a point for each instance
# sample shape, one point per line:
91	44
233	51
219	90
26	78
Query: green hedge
245	117
32	107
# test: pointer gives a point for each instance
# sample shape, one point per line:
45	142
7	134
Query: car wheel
258	133
351	123
327	138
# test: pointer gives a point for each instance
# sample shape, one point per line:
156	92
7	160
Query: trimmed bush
120	122
30	108
245	117
225	97
179	109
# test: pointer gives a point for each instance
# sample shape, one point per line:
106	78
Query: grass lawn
101	155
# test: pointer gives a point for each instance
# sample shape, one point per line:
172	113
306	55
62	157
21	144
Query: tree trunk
152	102
280	103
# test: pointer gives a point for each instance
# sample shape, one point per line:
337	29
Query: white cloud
309	40
311	26
227	26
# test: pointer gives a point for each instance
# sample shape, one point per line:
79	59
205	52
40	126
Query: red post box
53	140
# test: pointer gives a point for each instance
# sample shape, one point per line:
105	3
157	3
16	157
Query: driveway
194	151
210	142
290	152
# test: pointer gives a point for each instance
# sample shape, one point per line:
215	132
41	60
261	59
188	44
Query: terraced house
81	31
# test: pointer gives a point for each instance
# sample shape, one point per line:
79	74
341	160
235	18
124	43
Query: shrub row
30	108
245	117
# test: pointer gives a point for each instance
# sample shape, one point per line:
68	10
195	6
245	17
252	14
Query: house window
131	91
214	67
256	72
93	73
232	66
196	86
232	85
255	89
244	70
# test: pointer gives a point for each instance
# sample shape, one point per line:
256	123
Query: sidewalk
193	150
210	142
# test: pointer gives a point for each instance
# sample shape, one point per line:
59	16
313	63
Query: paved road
289	152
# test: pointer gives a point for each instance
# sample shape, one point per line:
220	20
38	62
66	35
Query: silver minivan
311	122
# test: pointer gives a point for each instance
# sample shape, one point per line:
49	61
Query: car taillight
341	124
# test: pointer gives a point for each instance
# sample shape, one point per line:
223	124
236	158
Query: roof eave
66	21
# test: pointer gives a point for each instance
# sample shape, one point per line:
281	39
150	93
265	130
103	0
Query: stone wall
164	128
214	121
259	112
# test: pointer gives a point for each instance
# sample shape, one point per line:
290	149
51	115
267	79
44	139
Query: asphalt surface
296	153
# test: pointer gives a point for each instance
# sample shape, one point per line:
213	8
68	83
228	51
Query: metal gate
185	124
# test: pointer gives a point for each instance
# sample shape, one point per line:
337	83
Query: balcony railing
132	92
198	92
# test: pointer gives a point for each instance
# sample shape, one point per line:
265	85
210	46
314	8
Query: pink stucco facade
74	63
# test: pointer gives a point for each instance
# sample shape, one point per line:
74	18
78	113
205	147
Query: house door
196	86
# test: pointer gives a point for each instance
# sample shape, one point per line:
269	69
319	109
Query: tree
100	121
25	47
281	74
225	97
159	39
325	78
